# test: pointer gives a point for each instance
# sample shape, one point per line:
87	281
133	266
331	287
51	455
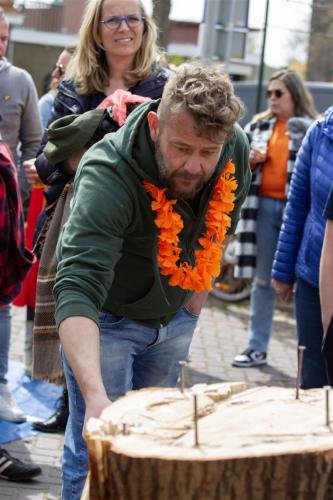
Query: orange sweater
274	173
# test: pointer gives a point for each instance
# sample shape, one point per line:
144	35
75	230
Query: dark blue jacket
68	101
302	232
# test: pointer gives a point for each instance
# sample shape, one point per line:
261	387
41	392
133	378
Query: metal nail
196	433
182	375
327	403
300	357
125	429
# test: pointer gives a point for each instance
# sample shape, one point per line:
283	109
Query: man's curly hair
206	93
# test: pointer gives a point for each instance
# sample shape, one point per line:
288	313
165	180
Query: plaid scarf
246	246
47	363
15	258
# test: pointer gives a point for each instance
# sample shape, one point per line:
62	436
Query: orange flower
207	260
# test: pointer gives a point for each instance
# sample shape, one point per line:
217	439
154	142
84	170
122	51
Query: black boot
58	421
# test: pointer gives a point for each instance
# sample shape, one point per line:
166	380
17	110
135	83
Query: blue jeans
310	334
132	356
5	329
263	296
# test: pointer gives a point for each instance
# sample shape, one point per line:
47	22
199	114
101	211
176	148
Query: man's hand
94	407
284	290
79	337
30	171
196	302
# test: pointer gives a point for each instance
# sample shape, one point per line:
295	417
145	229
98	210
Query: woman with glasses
117	50
275	136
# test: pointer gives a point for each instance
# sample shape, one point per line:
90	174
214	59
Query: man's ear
153	125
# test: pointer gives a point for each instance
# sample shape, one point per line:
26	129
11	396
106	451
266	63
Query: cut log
258	444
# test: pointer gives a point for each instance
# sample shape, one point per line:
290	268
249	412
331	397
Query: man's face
4	34
186	161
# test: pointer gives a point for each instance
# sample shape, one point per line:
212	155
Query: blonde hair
205	93
88	67
302	99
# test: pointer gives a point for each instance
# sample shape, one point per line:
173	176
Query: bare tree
320	61
161	11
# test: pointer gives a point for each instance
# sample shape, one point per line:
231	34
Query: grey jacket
19	116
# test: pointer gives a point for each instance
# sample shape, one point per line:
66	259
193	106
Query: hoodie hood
4	64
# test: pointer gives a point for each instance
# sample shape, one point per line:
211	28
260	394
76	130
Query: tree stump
257	444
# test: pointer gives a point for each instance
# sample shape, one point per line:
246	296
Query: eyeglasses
114	22
60	68
277	93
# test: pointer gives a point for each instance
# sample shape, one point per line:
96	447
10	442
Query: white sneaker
8	408
249	358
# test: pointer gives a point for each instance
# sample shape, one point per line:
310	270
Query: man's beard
170	180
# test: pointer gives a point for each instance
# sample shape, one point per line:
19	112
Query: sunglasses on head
277	93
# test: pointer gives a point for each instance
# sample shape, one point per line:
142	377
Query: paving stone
220	335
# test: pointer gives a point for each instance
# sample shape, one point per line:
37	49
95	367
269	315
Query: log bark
258	444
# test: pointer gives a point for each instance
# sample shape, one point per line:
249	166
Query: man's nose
193	164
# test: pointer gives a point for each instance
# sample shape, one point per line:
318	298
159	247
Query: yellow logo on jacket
6	97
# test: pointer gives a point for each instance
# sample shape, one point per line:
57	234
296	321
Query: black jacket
68	101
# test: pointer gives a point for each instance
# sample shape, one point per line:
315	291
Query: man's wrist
92	393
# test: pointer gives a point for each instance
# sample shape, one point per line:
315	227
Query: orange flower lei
208	260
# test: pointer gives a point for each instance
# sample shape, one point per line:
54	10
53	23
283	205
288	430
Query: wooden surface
254	444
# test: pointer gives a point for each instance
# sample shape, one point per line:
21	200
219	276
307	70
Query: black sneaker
14	470
249	358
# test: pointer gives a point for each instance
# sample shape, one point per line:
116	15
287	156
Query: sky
285	16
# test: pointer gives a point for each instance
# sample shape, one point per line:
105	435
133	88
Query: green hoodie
108	248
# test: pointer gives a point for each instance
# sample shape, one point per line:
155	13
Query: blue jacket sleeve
297	209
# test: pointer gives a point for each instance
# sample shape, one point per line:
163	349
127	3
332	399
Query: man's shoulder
240	135
18	70
13	71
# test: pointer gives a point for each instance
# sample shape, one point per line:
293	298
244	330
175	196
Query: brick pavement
222	333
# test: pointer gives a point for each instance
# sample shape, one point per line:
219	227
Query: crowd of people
148	210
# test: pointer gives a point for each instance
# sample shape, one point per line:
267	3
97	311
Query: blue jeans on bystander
133	356
5	329
310	334
263	296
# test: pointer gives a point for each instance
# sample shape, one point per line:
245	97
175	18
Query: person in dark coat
117	50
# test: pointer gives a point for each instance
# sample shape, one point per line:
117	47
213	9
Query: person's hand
94	407
257	156
284	290
196	302
30	171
